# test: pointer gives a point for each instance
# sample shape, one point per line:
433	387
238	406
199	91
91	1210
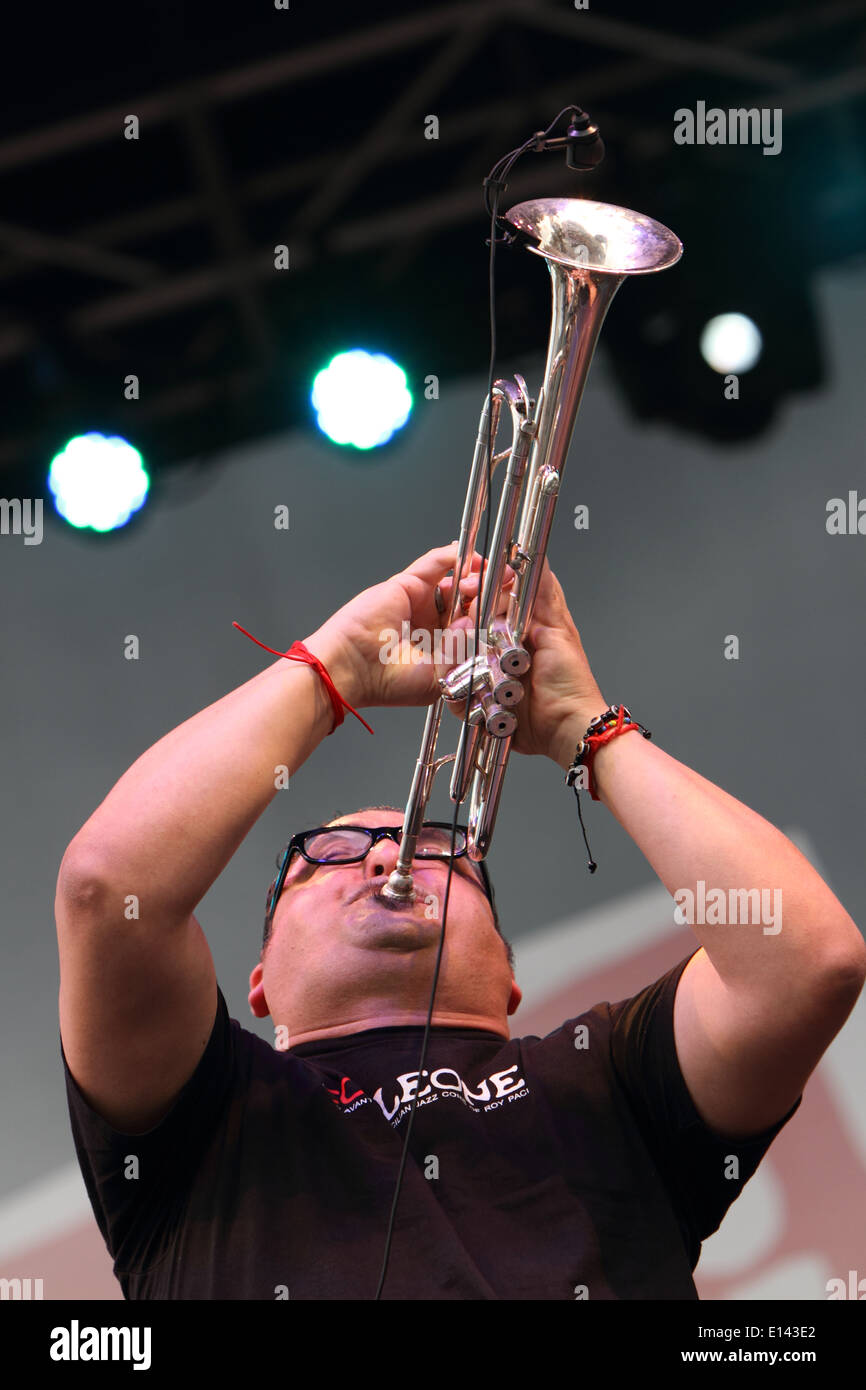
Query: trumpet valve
508	691
512	656
498	721
515	659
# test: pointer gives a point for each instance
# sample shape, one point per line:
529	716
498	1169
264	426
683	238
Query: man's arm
754	1010
138	995
759	1004
168	828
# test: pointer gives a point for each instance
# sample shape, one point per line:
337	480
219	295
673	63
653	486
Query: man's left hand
561	693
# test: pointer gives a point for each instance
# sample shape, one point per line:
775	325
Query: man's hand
561	693
354	640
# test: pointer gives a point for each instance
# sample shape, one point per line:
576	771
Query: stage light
361	398
731	343
98	481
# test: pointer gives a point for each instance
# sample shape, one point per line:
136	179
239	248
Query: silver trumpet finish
590	248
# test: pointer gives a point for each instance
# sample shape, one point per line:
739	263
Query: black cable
496	178
492	364
494	185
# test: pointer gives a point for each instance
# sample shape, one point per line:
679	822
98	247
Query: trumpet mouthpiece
399	888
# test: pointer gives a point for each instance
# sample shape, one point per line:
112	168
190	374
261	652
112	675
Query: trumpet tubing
590	249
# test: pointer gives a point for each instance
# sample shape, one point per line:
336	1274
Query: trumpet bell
579	233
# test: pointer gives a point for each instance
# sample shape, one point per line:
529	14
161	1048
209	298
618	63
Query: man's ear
515	997
258	1002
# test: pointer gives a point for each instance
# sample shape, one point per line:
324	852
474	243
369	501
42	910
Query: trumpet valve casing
491	692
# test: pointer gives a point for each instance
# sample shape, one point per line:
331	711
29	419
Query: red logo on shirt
342	1098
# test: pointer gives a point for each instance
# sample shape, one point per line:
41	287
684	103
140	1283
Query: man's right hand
352	641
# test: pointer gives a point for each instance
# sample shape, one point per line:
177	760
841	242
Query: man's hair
338	815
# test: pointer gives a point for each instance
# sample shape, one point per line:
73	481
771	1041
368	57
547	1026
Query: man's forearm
690	830
170	825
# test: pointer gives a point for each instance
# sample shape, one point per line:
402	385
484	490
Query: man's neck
402	1018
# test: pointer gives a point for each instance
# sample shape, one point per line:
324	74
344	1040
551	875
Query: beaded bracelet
616	719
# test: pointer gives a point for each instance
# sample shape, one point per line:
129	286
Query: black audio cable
584	151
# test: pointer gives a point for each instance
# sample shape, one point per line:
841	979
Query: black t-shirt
570	1166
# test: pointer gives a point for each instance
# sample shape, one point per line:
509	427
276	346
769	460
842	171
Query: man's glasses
350	844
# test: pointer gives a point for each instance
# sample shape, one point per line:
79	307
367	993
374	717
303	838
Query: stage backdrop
686	544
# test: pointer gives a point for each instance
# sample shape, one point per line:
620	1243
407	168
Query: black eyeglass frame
378	832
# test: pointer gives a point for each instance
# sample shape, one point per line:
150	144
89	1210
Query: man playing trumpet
588	1164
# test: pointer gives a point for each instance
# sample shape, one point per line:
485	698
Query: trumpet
590	248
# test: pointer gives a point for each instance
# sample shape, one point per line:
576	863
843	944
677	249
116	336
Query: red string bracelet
596	741
298	652
617	719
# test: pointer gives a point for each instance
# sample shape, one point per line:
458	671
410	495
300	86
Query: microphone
583	145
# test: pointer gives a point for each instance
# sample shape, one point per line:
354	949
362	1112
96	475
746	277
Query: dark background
304	127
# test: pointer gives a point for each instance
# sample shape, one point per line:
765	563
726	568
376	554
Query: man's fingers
471	583
437	562
469	590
